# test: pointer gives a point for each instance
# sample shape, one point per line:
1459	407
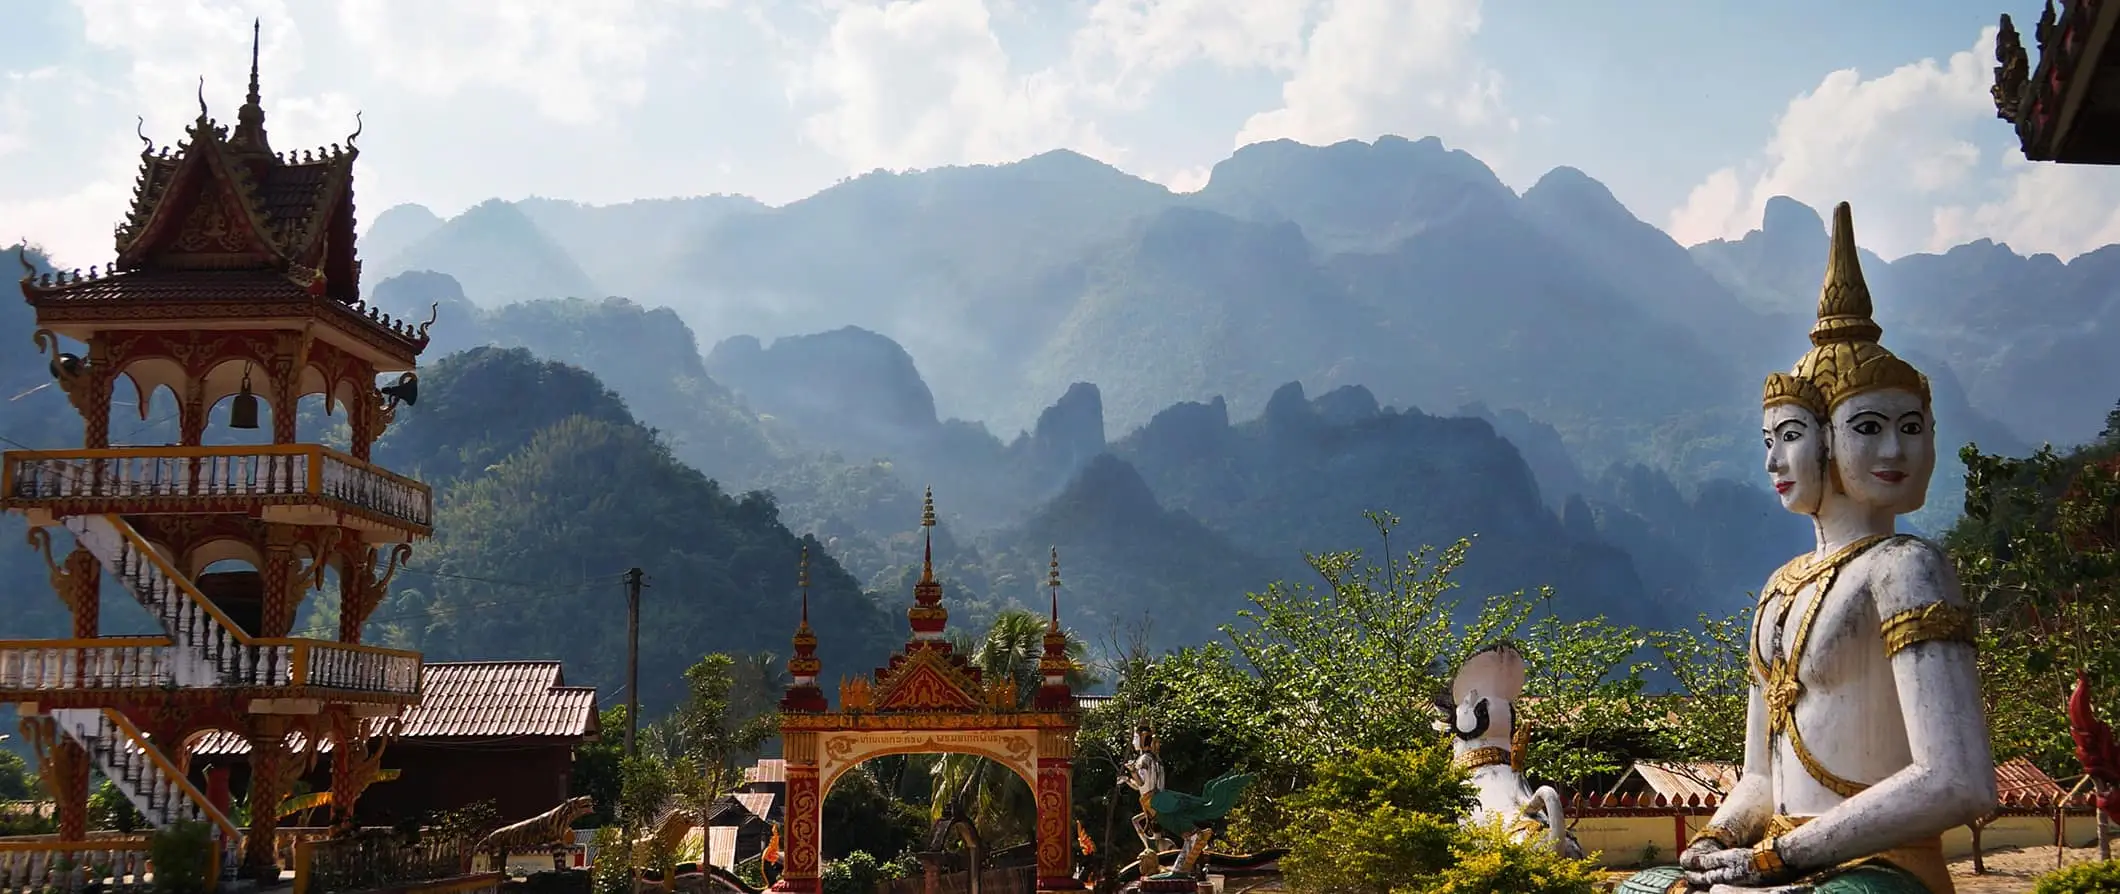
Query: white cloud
576	59
1390	66
1125	46
919	83
1905	149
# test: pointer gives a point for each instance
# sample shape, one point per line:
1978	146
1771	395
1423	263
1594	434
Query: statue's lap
1871	878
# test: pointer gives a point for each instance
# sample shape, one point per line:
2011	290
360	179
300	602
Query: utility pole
633	576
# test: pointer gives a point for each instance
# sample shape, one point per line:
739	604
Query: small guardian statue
1865	735
1480	715
1167	815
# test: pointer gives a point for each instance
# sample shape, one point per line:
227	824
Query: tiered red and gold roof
223	227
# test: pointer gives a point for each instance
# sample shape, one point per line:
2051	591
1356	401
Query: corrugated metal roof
475	700
760	804
768	770
1682	780
2017	777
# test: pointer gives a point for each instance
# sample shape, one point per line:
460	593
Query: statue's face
1884	449
1796	456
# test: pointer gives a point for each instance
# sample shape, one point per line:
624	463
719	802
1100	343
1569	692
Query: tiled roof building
504	730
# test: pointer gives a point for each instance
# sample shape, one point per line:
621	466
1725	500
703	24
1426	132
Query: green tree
701	742
16	783
1713	671
1000	803
1586	701
596	768
2038	552
860	816
1352	664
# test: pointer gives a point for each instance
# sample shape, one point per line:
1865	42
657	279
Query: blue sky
1693	112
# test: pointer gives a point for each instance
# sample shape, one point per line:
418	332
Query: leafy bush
612	870
855	873
1488	862
1374	821
2083	878
182	853
752	872
108	809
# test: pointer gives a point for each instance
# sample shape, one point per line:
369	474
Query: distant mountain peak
1788	216
1570	187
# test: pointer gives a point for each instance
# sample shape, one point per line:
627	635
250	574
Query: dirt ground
2012	870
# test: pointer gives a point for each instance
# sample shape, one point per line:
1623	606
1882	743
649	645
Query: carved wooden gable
202	222
927	680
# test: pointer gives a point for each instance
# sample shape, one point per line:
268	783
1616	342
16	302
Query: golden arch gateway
928	699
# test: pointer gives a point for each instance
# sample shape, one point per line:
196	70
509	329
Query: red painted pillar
804	816
1056	847
217	788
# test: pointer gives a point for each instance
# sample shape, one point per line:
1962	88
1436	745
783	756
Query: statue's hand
1690	858
1735	869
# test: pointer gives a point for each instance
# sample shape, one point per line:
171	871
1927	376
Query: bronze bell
243	413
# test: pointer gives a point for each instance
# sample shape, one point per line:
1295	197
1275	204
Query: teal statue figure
1189	819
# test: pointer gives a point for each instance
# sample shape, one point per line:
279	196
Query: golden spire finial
802	579
927	525
1844	299
1052	580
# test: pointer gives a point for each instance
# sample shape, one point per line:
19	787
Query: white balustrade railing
143	775
109	865
350	481
236	472
130	663
231	657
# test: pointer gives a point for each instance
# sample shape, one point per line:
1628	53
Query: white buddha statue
1865	735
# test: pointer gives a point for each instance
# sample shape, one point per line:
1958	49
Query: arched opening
222	387
961	814
144	405
227	573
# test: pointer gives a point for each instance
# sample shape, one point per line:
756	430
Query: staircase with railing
212	650
144	774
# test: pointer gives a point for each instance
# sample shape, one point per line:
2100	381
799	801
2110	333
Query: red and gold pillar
804	817
1056	811
277	577
273	770
63	765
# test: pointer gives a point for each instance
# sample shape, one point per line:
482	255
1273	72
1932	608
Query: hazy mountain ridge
1003	281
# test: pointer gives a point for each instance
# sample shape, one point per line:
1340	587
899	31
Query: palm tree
1001	805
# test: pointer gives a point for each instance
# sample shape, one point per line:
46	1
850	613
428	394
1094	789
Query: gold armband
1766	858
1714	833
1937	621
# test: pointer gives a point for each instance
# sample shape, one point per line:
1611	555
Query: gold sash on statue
1921	859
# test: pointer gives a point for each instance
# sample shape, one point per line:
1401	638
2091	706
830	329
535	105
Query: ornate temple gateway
2067	109
235	278
929	700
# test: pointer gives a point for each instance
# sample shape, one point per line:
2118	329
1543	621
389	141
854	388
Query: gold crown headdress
1845	359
